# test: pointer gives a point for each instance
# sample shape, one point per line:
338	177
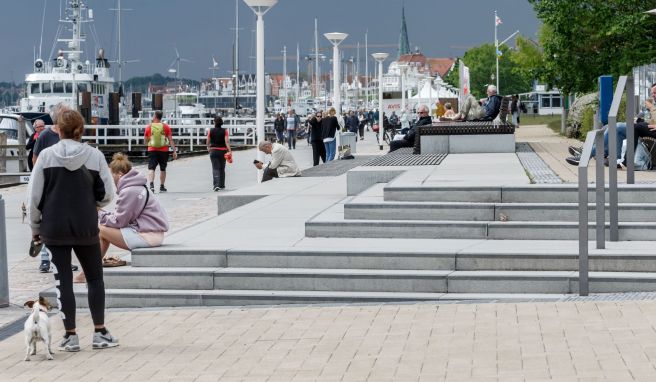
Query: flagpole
496	48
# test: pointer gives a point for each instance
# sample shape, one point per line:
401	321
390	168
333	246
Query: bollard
4	274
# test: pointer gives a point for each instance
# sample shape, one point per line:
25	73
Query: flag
214	63
497	20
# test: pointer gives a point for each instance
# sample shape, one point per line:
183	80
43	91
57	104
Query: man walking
39	125
293	123
158	137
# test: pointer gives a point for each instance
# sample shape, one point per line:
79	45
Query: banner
463	72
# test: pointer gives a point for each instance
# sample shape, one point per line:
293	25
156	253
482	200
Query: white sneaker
71	344
104	341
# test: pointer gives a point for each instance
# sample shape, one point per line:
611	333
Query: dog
37	327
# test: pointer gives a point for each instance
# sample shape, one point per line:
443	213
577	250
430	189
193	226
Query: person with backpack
158	137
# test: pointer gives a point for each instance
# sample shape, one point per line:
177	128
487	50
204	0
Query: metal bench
468	137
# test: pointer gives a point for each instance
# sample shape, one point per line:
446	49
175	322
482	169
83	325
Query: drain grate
404	157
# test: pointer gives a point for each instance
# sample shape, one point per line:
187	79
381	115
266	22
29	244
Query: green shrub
587	122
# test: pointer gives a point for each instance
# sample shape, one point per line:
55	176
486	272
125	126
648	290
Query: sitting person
282	163
139	221
448	112
486	109
409	139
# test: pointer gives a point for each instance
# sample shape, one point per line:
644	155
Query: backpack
157	137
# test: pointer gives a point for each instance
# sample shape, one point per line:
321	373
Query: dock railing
596	138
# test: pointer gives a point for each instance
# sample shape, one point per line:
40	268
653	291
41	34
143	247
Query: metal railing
596	138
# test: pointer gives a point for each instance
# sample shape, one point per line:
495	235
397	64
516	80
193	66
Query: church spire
404	43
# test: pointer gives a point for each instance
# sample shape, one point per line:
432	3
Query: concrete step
377	209
342	280
493	255
547	193
332	226
150	298
482	284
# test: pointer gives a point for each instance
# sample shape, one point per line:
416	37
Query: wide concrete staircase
514	242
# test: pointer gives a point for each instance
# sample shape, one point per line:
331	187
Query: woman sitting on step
139	221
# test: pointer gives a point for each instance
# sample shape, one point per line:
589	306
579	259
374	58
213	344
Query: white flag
497	20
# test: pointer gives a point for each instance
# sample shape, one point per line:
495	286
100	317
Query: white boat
67	77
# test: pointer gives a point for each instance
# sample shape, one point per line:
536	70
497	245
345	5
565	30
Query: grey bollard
4	274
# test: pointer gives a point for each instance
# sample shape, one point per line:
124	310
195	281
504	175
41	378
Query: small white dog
37	327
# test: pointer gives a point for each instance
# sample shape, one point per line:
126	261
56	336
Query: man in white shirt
282	163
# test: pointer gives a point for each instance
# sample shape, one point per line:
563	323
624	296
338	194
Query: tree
482	71
583	39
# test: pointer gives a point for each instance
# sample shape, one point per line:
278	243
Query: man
409	139
486	109
352	122
39	125
293	123
394	119
282	163
316	139
158	137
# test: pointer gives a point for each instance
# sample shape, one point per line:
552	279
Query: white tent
429	95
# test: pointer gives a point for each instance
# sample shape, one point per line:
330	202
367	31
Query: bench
455	137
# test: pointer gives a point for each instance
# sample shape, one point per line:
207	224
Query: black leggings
91	262
218	167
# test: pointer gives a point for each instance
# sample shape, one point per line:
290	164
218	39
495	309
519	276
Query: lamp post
380	57
336	38
403	66
260	7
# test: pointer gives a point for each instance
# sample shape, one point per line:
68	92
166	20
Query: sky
200	29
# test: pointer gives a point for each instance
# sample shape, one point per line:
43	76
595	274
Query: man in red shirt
158	137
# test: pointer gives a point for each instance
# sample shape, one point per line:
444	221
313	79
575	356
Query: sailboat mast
298	75
316	59
235	91
366	68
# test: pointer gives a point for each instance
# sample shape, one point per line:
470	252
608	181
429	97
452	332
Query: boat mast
235	91
298	69
366	68
284	73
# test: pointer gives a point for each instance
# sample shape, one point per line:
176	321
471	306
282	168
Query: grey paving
537	169
337	167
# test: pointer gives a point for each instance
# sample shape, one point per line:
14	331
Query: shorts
134	239
160	158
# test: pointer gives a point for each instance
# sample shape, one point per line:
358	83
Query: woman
218	144
316	139
279	127
139	221
514	110
69	182
329	126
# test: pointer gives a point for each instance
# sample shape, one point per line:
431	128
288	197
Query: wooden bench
456	137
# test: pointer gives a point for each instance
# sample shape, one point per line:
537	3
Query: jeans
621	136
330	149
280	135
218	168
291	139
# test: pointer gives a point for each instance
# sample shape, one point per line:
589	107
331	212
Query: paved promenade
585	340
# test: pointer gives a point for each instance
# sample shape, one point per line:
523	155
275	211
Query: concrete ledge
468	144
14	178
227	203
358	180
178	256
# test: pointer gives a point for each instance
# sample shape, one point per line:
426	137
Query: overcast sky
204	28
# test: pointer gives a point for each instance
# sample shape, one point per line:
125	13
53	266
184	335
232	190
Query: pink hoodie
130	209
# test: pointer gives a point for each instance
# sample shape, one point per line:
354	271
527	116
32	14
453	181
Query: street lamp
336	38
260	7
403	66
380	57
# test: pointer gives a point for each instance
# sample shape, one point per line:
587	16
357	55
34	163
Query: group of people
641	128
70	184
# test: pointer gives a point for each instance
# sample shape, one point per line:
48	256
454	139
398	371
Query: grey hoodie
70	180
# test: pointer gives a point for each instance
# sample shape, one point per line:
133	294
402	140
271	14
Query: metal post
630	149
583	231
4	274
612	178
337	102
260	90
600	186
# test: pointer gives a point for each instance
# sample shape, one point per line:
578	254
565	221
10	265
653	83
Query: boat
66	78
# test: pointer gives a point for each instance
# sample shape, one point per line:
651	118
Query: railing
596	137
186	132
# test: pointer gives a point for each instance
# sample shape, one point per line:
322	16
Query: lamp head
260	7
380	57
335	37
652	12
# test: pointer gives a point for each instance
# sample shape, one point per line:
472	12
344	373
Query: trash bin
349	139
